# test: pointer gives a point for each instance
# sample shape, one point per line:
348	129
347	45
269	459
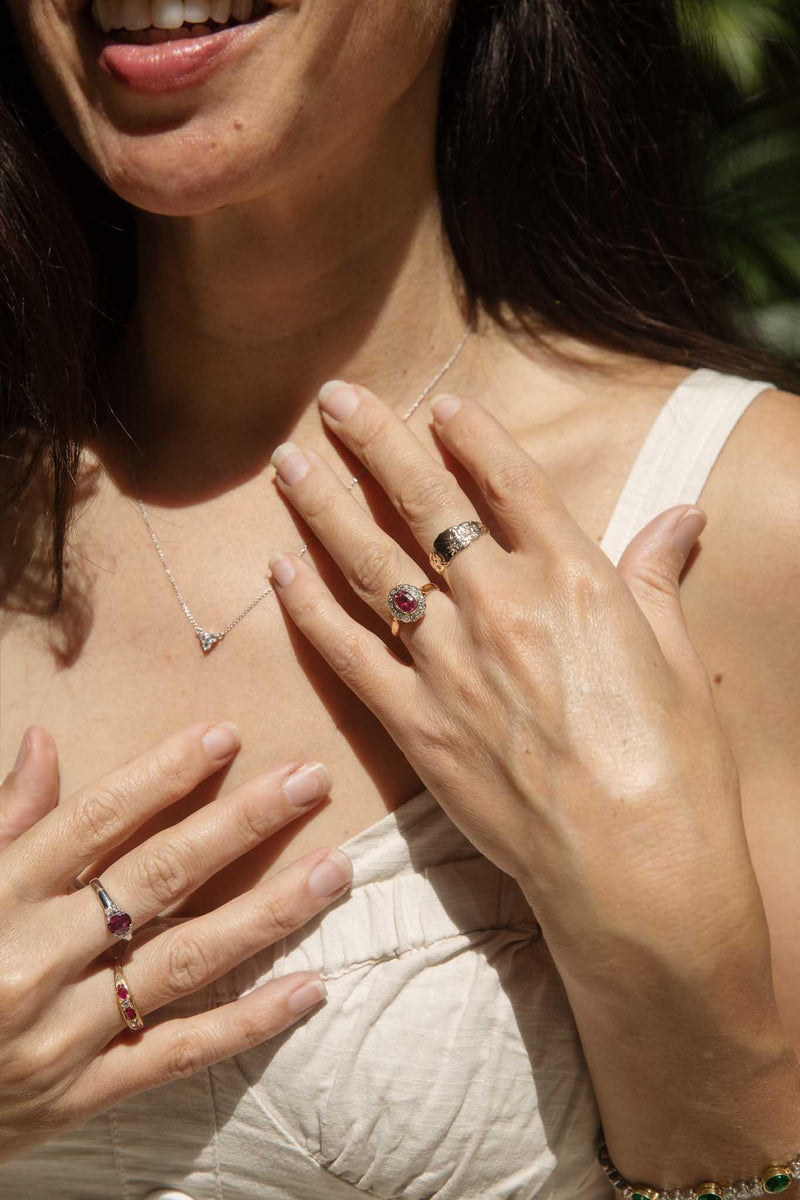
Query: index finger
96	819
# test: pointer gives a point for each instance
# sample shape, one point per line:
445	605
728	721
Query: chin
186	172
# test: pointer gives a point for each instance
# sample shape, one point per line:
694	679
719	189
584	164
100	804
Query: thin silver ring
118	922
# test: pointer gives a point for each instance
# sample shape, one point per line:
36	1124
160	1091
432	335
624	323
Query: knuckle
98	817
187	1055
347	658
19	997
578	578
253	821
376	428
505	482
175	768
308	608
320	505
163	873
422	493
277	917
253	1030
370	569
189	965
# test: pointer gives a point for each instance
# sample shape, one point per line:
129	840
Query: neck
245	311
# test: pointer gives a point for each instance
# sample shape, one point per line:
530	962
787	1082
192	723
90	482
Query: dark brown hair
568	152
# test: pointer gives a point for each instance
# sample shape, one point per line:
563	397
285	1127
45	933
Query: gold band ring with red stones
125	1001
117	920
407	603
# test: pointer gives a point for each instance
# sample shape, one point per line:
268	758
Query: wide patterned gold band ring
452	541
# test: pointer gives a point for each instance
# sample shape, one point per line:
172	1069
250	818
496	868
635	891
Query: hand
65	1053
553	704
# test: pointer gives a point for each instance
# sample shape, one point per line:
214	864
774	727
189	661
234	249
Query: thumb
651	567
30	790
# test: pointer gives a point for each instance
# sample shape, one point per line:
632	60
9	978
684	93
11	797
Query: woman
289	175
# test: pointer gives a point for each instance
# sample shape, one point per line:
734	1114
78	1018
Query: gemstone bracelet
773	1180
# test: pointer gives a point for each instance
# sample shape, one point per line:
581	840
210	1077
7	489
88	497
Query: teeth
138	15
167	14
196	12
135	14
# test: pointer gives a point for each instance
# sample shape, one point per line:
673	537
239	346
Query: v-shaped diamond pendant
207	640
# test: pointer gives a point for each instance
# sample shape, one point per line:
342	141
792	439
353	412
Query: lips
157	60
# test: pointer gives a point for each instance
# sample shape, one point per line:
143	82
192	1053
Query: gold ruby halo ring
407	603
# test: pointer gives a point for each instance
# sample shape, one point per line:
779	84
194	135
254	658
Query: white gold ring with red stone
407	603
118	922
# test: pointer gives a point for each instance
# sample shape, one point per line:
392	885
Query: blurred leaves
753	50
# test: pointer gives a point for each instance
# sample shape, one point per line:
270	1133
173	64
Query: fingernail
22	753
290	463
282	569
221	741
332	874
689	528
308	785
445	407
338	399
306	996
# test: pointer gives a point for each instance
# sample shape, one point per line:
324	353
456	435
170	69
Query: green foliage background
753	47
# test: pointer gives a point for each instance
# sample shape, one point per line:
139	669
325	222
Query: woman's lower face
185	105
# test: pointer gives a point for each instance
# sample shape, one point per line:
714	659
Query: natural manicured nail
222	740
308	785
688	530
22	753
445	407
330	875
338	399
306	996
282	569
290	463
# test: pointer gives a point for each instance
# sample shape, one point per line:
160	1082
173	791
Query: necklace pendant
207	640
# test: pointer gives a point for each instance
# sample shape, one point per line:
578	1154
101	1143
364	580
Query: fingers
358	657
424	492
515	487
195	953
30	790
651	567
179	1048
371	561
173	863
98	818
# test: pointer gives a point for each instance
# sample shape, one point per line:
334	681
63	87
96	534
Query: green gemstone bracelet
772	1180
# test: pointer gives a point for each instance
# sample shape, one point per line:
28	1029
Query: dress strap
679	452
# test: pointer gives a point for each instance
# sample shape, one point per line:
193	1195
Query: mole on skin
717	679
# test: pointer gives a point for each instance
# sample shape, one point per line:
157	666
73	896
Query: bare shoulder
742	595
742	602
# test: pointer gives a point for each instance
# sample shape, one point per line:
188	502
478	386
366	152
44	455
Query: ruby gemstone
130	1013
122	992
406	602
119	922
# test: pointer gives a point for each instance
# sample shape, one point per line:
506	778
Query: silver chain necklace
206	639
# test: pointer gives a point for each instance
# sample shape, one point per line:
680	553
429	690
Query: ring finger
371	561
193	954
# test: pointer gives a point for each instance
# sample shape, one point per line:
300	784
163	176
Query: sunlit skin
289	232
